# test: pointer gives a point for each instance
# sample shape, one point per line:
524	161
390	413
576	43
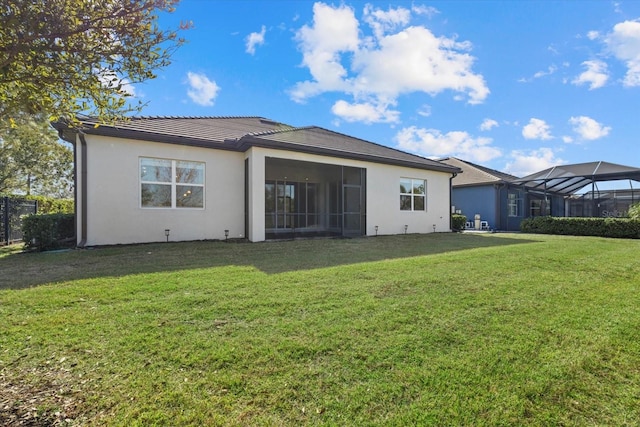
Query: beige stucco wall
383	194
113	194
113	199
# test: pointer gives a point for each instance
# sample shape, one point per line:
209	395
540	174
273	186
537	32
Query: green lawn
439	329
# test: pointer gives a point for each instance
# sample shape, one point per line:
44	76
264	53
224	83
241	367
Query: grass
441	329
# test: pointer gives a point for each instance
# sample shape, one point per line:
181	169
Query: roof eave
114	132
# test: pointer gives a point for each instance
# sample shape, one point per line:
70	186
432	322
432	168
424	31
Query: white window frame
514	203
412	195
173	183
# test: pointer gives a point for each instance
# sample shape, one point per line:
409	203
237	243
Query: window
413	194
171	183
513	204
540	207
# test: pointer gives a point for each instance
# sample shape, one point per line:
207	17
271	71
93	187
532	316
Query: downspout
453	175
498	219
83	190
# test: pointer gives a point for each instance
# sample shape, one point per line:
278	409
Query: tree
33	160
65	57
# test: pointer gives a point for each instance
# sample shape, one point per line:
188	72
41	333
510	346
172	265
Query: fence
11	211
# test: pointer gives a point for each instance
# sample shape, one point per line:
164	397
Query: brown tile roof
473	174
318	140
240	133
195	130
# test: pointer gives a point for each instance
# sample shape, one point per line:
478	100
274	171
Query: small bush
50	231
602	227
458	222
634	211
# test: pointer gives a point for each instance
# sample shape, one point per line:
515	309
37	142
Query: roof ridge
490	171
487	171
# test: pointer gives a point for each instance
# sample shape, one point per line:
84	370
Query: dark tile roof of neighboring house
473	174
241	133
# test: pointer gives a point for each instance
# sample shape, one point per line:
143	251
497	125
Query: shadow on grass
22	270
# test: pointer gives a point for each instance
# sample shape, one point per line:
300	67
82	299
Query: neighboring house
479	190
504	200
179	178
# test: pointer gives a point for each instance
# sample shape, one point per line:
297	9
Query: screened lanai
570	181
313	199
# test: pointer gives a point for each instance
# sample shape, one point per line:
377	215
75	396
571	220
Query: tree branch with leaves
68	57
33	160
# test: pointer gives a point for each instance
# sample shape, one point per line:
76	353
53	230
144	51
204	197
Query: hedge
50	231
626	228
49	205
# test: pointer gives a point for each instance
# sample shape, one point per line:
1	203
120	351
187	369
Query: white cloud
364	112
398	59
552	69
488	124
334	30
525	163
202	90
425	110
255	39
539	74
435	144
593	35
596	74
537	129
428	11
381	22
624	42
567	139
588	129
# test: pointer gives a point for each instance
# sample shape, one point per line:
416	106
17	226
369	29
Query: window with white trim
513	204
173	184
413	194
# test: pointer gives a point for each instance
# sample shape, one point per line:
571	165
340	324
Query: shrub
50	231
458	222
634	211
49	205
602	227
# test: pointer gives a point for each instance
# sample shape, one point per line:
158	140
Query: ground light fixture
376	227
434	228
405	228
166	233
226	234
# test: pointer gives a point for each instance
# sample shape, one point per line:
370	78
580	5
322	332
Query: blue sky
518	86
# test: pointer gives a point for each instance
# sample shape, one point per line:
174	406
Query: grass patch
441	329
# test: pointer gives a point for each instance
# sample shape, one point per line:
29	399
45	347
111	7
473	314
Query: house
148	179
486	192
503	200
